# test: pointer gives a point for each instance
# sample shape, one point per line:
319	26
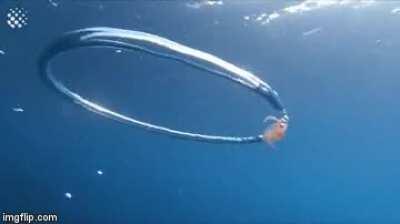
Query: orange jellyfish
276	131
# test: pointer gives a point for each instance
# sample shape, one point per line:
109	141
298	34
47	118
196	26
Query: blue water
337	164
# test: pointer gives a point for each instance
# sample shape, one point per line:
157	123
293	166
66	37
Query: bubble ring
136	40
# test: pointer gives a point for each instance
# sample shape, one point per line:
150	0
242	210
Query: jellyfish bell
275	131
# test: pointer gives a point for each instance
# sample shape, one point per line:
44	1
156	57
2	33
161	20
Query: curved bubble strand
161	47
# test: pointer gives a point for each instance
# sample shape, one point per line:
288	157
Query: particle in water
312	31
68	195
18	109
99	172
396	11
53	3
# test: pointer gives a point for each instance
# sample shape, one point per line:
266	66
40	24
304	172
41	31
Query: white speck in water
395	11
18	109
261	16
2	52
313	31
271	17
200	4
118	51
214	3
68	195
99	172
53	3
246	17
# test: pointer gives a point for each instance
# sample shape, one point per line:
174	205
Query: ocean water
333	63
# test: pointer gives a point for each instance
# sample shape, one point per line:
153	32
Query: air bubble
68	195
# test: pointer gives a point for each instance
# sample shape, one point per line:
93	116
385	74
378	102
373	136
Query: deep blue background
339	162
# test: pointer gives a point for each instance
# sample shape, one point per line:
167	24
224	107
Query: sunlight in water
300	7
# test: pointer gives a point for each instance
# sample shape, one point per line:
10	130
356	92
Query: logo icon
17	18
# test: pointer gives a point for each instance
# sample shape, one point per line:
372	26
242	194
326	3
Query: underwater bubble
68	195
18	109
53	3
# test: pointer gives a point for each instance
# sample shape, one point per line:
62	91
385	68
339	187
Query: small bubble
18	109
68	195
99	172
53	3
